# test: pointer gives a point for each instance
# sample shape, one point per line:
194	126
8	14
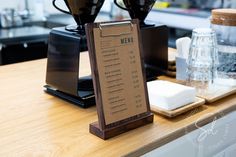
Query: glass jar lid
225	17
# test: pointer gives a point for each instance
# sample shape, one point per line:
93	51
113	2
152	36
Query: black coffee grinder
65	46
154	37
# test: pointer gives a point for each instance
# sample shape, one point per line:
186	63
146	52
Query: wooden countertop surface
33	123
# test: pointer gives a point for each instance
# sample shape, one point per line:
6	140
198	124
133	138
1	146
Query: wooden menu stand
118	78
121	127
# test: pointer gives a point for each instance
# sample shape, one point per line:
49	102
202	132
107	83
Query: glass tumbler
202	58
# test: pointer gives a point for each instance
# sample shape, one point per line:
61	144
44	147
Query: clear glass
202	59
226	37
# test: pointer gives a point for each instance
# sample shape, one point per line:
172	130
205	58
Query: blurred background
25	24
48	8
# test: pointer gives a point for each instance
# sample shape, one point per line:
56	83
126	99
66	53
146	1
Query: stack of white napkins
168	95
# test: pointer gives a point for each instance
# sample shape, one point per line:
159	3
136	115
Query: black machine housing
62	76
155	49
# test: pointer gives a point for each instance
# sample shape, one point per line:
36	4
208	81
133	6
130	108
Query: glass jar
223	21
201	65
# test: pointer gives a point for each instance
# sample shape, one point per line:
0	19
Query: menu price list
120	76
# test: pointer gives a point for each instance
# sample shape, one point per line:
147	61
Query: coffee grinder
154	37
65	46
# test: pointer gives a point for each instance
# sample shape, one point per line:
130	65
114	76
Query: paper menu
120	72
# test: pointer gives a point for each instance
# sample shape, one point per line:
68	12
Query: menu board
118	78
120	72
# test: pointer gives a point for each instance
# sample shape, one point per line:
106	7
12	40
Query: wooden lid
225	17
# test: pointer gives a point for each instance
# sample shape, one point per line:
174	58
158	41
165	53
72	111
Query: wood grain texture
33	123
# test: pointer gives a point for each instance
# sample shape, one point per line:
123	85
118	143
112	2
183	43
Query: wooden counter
33	123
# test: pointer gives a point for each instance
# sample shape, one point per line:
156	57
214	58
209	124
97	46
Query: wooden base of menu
119	129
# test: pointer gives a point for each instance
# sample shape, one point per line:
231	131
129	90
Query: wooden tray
217	93
172	113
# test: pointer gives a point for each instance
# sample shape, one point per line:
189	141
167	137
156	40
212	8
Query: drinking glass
202	60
